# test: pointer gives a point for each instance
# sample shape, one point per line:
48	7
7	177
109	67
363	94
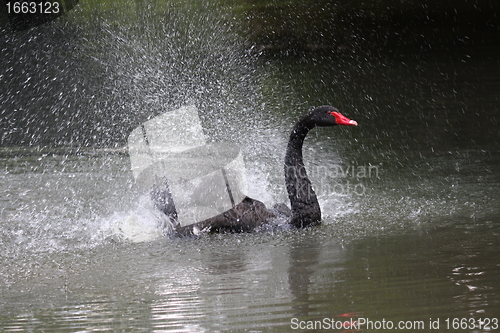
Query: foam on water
143	223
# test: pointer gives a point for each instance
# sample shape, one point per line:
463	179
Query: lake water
411	221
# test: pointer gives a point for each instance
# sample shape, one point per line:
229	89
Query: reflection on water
237	282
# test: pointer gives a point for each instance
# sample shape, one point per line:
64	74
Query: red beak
340	119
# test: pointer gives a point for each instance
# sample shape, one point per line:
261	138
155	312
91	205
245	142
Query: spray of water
91	77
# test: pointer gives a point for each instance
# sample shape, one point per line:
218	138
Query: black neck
303	200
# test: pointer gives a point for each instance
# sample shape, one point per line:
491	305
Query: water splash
143	223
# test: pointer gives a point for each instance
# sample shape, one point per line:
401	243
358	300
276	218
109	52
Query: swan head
329	116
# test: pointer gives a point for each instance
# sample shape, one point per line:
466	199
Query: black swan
250	214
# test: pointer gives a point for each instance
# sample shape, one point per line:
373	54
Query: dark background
90	76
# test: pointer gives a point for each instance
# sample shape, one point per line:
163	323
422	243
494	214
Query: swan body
250	214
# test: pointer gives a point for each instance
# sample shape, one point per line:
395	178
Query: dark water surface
411	220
